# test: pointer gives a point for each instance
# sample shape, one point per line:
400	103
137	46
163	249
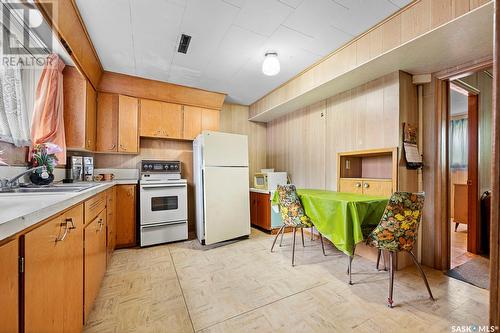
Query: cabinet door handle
112	147
122	147
70	220
357	185
100	222
66	229
366	185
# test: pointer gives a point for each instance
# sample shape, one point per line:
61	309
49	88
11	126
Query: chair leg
293	246
391	279
378	257
282	233
302	234
275	238
422	274
322	244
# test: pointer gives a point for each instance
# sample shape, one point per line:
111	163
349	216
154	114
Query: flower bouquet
43	161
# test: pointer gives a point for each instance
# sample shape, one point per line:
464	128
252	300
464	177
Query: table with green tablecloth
340	217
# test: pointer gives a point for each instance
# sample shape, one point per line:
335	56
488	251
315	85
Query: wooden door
107	122
9	286
349	185
73	270
91	117
111	222
210	119
151	118
125	216
74	108
473	230
128	124
192	122
377	187
44	277
95	260
172	120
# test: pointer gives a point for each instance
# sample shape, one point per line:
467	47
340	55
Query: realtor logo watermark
473	328
23	27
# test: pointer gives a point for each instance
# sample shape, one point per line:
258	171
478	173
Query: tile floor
242	287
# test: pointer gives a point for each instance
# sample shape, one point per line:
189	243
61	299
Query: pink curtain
48	121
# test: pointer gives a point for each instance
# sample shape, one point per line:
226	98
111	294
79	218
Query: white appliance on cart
221	186
163	203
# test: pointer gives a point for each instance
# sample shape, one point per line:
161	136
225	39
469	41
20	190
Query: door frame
473	232
442	229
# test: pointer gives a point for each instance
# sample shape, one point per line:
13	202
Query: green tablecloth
340	216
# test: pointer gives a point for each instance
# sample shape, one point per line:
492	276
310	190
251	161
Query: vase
38	180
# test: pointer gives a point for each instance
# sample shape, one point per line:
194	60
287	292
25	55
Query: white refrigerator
220	163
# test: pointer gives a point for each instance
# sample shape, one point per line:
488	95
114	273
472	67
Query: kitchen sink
57	188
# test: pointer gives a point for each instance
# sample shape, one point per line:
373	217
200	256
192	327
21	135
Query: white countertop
19	211
259	190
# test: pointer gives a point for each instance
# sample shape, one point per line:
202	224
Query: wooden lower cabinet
53	255
377	187
260	210
9	286
126	216
110	222
95	259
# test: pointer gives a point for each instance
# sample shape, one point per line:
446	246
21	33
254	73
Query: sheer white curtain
459	143
14	115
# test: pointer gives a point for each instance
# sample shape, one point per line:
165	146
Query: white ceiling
229	38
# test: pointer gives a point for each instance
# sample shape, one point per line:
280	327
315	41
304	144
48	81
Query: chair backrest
397	230
291	210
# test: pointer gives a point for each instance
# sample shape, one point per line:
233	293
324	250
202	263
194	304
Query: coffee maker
75	168
88	168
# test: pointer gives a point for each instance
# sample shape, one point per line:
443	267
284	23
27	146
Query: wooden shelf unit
371	172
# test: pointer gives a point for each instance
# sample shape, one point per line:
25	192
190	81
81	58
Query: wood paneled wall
234	119
412	21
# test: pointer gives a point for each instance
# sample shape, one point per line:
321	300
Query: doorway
469	162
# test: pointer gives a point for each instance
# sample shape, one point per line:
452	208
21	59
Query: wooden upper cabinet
192	122
128	124
198	119
160	119
79	110
117	123
9	286
107	122
210	119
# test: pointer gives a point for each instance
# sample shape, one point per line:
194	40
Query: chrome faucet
6	184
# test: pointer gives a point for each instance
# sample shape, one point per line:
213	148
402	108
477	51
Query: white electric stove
163	203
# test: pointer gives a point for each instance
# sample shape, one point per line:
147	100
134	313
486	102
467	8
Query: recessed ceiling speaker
184	43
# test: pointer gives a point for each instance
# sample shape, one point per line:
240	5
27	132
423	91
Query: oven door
163	203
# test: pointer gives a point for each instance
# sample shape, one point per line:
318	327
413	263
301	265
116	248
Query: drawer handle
366	185
70	220
66	229
100	222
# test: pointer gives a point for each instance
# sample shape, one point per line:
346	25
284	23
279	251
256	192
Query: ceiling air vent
184	43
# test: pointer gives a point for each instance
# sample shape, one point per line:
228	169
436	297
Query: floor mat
474	271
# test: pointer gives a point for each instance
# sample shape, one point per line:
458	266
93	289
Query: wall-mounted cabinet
198	119
117	124
371	172
80	105
160	119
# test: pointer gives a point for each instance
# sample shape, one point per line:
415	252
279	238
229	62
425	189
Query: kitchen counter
259	190
19	211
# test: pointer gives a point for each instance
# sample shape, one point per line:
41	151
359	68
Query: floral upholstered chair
397	232
293	216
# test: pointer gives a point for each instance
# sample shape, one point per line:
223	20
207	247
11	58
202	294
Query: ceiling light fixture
271	64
